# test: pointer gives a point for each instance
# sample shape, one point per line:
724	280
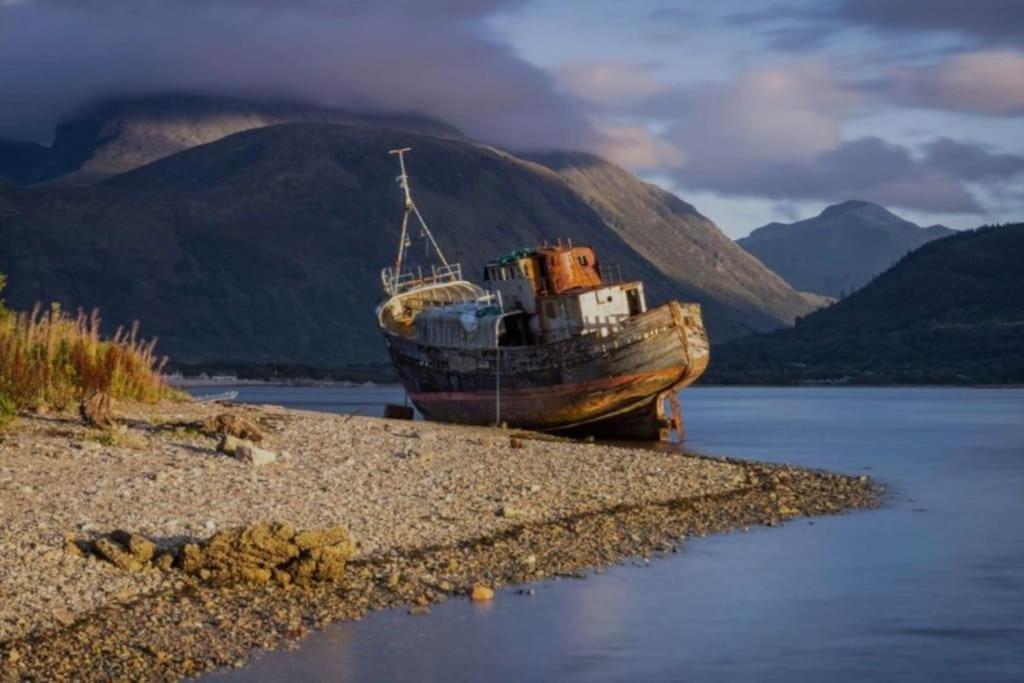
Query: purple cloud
774	131
870	168
391	56
777	132
989	82
971	162
804	28
988	19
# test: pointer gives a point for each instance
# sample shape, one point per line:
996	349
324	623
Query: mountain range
680	242
20	160
264	245
952	311
115	135
839	250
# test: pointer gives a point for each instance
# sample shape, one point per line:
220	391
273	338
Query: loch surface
930	588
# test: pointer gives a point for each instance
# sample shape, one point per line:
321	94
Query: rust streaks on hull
568	384
547	408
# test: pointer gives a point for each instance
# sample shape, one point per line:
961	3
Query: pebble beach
435	512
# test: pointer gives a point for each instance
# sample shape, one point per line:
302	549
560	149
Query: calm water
930	588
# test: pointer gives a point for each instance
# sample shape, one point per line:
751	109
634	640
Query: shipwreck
550	341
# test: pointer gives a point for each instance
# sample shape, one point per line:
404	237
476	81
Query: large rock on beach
252	554
254	455
229	444
481	593
242	555
264	551
125	550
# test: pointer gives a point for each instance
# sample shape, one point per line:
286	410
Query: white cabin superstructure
550	340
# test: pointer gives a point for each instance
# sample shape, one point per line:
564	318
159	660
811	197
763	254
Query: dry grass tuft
50	359
8	411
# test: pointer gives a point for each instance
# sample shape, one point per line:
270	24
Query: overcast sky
751	111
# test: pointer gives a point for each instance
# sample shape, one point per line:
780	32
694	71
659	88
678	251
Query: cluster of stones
209	626
128	551
226	424
238	438
254	554
262	552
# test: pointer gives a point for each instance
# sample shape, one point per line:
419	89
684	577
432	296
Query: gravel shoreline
434	510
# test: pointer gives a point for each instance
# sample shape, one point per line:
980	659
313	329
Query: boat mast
410	208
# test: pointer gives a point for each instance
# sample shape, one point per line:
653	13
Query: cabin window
582	260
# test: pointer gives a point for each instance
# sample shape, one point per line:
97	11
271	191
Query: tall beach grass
52	359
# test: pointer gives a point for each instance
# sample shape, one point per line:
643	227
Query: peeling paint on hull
613	385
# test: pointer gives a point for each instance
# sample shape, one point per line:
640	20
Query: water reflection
928	589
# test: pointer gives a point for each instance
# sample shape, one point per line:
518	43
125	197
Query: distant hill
951	311
681	242
839	250
115	135
266	245
21	161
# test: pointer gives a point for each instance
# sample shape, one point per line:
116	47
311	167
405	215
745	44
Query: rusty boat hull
614	386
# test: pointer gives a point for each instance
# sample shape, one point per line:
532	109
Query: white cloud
777	132
985	81
608	84
781	113
635	147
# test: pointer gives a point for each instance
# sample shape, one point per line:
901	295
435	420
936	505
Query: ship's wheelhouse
555	292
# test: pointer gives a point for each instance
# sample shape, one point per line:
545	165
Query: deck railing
397	282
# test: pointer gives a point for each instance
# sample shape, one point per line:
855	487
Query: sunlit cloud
761	124
609	84
636	147
986	82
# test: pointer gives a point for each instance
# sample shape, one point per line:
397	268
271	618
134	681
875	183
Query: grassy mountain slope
20	161
951	311
682	243
266	246
115	135
839	250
